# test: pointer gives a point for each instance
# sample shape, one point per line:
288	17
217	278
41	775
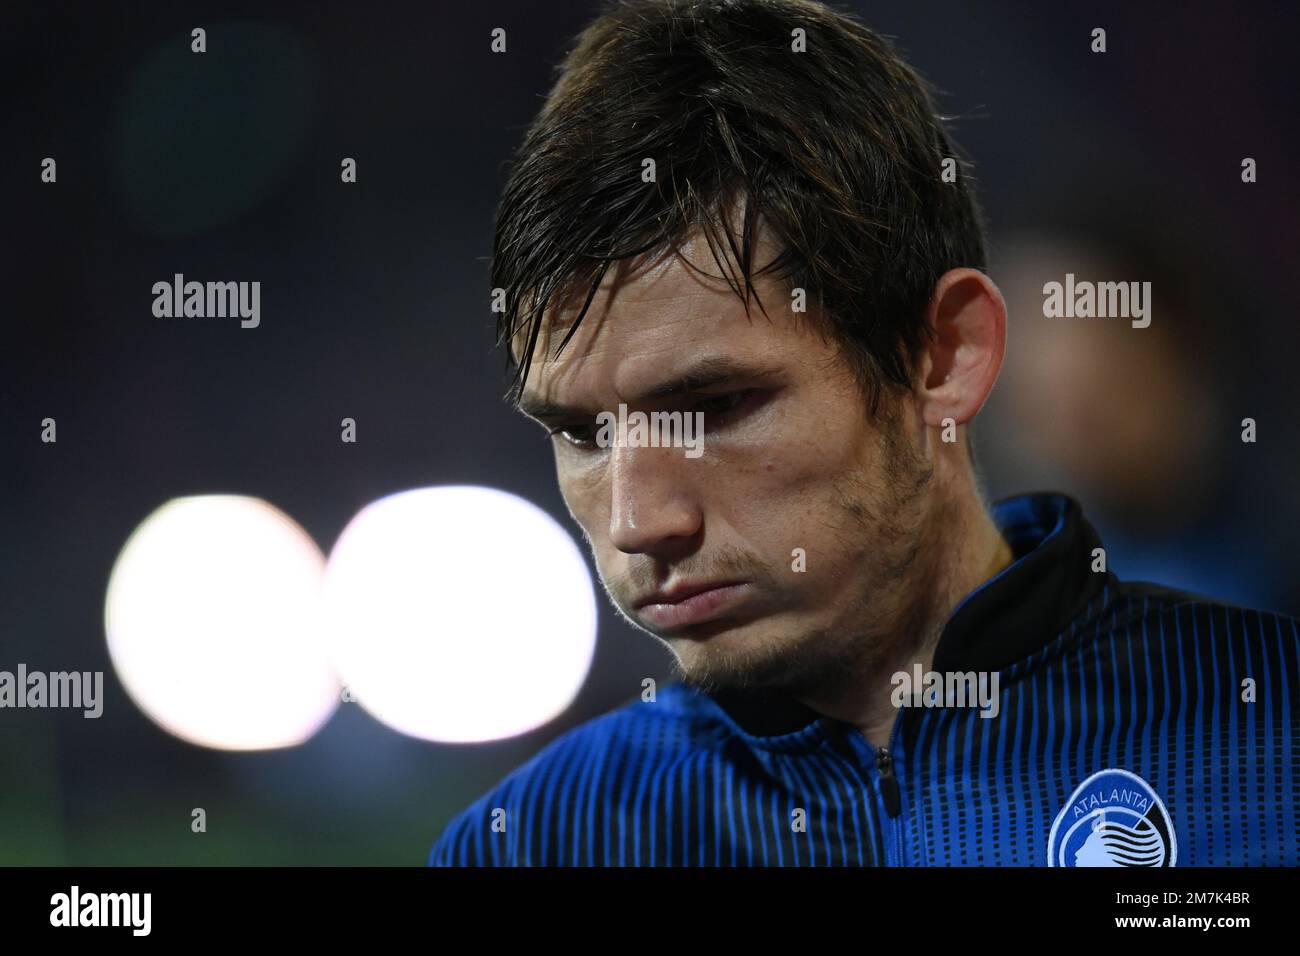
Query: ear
962	356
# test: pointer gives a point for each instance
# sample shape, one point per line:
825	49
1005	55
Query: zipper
882	771
888	783
891	826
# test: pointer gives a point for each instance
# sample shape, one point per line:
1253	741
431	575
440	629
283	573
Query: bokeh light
213	624
459	613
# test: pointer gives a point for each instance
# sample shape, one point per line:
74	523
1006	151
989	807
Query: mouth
687	605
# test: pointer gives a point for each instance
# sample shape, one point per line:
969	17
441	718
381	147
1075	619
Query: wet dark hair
838	148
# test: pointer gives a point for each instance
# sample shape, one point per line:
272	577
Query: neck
973	551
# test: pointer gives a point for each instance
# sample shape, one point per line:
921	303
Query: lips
681	592
687	604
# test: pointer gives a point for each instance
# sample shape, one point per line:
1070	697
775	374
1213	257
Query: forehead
648	320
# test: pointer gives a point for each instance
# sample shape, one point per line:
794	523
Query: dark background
375	305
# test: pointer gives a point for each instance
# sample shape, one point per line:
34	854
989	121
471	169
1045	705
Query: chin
734	655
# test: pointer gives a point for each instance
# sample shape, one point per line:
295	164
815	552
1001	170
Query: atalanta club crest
1114	818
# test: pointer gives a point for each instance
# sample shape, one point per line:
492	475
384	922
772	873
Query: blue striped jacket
1137	725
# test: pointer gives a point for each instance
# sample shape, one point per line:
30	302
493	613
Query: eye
578	435
721	404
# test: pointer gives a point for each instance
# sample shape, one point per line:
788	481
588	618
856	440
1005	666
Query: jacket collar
1007	618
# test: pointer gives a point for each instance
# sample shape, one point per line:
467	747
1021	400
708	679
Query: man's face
779	555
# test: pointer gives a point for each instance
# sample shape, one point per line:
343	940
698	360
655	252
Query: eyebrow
705	373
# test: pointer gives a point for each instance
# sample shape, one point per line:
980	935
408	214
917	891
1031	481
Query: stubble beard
888	620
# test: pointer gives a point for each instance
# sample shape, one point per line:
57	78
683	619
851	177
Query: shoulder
678	722
1183	630
1137	603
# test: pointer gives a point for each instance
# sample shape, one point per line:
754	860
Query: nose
653	509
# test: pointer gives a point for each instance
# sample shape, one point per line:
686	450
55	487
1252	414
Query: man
745	211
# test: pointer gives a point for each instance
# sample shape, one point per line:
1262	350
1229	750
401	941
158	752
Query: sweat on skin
887	513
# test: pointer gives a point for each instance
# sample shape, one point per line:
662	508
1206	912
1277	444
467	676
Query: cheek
588	504
805	456
776	491
586	497
787	494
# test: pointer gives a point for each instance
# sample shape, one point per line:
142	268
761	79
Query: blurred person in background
1140	423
